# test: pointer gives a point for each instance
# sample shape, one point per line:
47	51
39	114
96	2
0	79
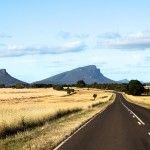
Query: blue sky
41	38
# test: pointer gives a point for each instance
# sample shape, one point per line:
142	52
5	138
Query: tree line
134	87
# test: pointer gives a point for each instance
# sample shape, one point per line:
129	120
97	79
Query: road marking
133	114
139	123
148	133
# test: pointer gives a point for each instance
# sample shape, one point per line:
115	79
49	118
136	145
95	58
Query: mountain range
89	74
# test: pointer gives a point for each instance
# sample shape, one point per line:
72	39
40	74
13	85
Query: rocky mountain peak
3	71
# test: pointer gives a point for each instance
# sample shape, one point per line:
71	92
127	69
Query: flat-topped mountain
89	74
7	79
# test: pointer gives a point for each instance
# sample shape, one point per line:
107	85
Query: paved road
122	126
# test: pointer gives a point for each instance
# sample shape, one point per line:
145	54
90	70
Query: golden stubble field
140	100
31	106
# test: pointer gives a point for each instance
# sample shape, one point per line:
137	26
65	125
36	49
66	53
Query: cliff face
7	79
89	74
3	72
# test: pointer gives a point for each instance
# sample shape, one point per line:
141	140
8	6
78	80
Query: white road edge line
148	133
133	114
63	142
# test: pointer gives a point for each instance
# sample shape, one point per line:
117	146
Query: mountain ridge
89	74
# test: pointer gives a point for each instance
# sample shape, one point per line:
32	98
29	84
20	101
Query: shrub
58	87
69	91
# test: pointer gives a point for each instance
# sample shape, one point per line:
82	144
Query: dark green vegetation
61	88
80	84
58	87
70	91
112	86
135	88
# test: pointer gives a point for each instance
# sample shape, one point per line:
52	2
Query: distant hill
89	74
123	81
7	79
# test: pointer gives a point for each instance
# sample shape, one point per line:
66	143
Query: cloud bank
134	41
15	51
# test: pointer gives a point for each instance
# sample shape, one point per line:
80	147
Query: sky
41	38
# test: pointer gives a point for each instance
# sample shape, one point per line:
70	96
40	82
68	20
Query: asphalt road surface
122	126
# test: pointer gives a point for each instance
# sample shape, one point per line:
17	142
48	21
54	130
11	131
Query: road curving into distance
122	126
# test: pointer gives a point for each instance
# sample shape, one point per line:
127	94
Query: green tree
135	87
81	84
94	96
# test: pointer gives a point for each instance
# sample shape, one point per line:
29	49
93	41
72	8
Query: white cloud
15	50
71	47
145	35
134	41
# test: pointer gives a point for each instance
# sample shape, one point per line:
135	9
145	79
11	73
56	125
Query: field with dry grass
21	108
139	100
147	87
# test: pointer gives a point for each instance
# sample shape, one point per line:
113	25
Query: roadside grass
53	132
143	101
104	97
24	124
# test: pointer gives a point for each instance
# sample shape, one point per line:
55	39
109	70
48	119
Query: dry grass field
27	107
147	87
139	100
